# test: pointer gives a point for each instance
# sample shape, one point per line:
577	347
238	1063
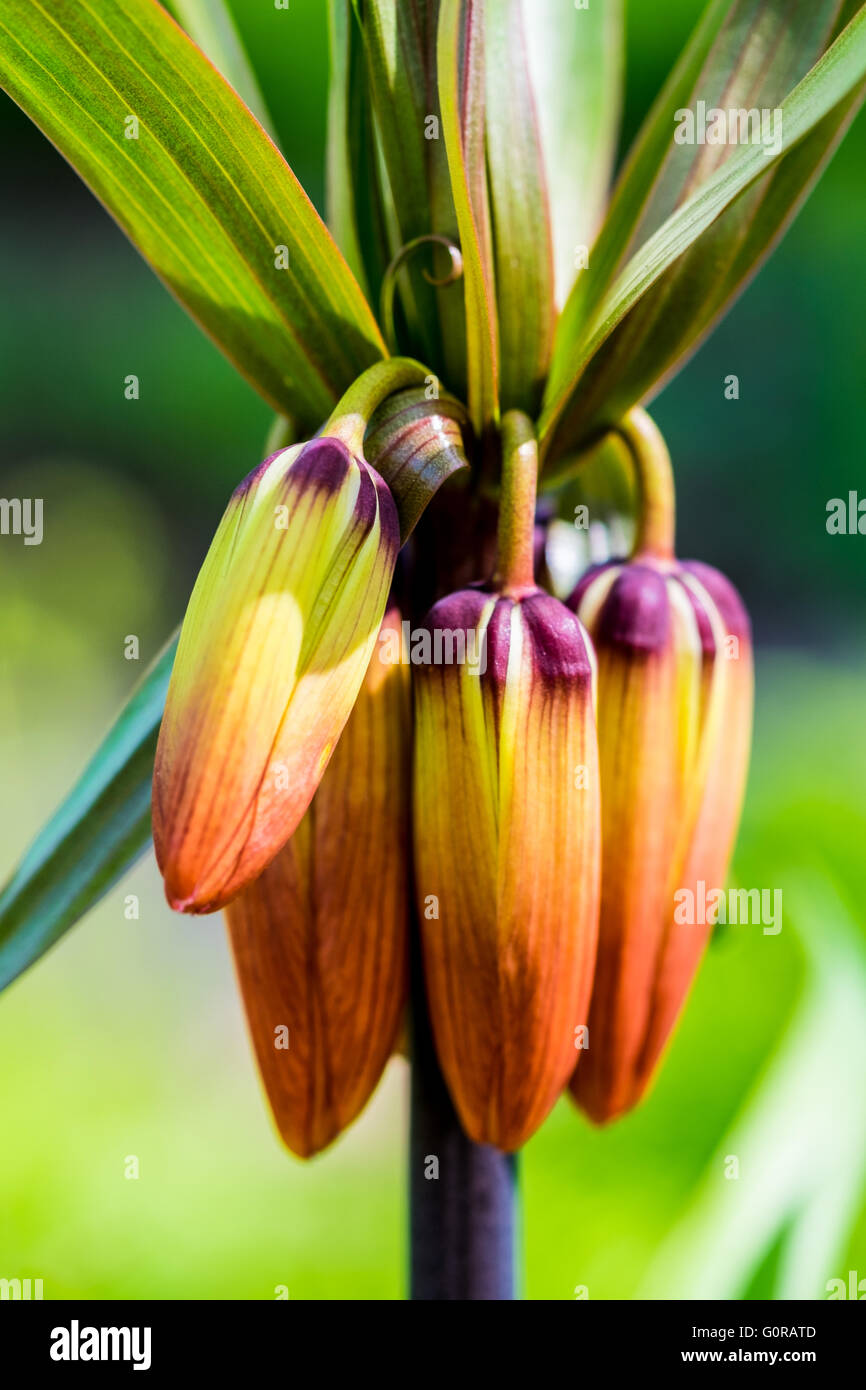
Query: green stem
352	413
655	480
516	567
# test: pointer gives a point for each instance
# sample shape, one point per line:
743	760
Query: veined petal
637	734
727	663
320	941
274	647
506	798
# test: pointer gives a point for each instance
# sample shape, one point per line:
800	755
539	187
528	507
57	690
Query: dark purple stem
461	1195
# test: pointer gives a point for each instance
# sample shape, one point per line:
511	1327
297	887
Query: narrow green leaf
460	68
400	44
93	838
824	94
417	445
209	23
522	244
635	184
756	55
576	66
191	177
354	195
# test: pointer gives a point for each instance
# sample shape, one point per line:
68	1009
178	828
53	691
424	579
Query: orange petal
727	666
638	675
506	800
320	940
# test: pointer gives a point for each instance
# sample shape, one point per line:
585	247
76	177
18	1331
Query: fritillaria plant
417	779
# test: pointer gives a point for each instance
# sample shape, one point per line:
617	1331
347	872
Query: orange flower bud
320	941
274	647
506	802
674	720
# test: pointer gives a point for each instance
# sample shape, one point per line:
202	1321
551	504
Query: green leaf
97	833
822	100
576	66
460	68
400	44
522	243
201	191
416	445
209	23
354	194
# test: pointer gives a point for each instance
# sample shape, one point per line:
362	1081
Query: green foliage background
128	1039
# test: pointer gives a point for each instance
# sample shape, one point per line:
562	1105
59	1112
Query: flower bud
674	718
507	822
320	941
274	647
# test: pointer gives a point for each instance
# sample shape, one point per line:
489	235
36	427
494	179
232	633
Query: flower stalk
516	535
655	482
352	413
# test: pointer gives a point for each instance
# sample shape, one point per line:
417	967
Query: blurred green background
128	1039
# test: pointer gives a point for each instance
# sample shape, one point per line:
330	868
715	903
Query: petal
637	736
320	941
703	864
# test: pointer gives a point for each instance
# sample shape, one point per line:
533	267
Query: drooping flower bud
674	718
727	684
507	823
274	647
320	941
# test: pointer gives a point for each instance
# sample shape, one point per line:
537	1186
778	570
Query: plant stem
655	480
461	1195
516	564
351	415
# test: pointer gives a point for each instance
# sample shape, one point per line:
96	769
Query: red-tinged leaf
576	65
400	44
460	67
355	199
522	242
209	23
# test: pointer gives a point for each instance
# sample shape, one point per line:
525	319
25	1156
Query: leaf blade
830	86
576	67
522	240
202	192
96	834
460	69
210	24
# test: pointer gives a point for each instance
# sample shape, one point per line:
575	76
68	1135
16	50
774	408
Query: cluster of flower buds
558	782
